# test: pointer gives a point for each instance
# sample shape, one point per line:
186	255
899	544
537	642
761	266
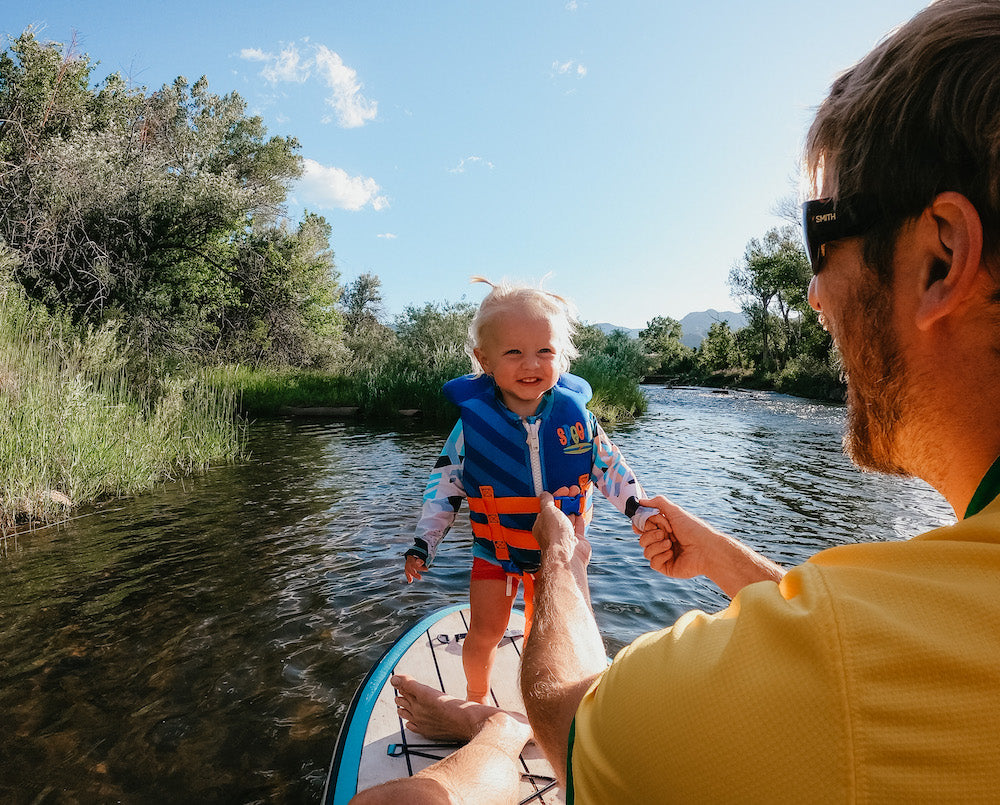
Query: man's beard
876	383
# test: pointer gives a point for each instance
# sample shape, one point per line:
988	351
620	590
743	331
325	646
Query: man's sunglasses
825	220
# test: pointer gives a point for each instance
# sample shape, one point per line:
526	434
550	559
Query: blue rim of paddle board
347	757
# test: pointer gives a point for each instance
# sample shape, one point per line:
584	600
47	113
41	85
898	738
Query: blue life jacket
497	471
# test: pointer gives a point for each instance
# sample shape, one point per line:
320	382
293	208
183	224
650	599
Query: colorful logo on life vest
573	438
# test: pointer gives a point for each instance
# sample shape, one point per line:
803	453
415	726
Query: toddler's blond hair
535	302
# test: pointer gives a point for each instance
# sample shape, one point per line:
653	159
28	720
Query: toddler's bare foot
433	714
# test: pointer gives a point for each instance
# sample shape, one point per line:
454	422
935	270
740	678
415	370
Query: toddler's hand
415	568
659	544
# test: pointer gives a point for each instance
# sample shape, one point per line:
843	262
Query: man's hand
660	546
689	547
561	535
664	550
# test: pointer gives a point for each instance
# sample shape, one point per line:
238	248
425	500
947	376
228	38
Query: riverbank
811	382
74	428
393	392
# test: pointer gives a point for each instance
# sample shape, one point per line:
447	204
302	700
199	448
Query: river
202	643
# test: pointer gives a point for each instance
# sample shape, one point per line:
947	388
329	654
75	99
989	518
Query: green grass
617	396
380	393
73	430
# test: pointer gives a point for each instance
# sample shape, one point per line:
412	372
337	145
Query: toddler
524	429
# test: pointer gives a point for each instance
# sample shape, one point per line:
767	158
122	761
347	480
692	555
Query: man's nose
813	296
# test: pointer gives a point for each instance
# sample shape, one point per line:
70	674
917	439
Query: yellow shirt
869	674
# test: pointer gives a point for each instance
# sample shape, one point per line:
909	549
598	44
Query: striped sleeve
442	498
615	478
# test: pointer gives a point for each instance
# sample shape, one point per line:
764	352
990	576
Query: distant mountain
694	325
607	329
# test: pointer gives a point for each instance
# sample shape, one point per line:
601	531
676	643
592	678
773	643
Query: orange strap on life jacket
500	535
529	602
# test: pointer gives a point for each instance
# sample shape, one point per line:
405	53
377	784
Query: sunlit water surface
202	643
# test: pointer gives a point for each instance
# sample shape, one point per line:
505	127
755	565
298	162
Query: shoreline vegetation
155	297
75	428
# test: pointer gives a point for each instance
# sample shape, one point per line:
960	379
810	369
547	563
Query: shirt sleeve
615	479
442	498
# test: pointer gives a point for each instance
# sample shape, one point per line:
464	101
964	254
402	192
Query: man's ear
951	237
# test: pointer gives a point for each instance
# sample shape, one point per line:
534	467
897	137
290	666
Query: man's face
858	312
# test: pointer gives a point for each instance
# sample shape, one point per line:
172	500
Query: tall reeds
73	429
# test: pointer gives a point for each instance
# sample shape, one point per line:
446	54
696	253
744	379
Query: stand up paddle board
374	746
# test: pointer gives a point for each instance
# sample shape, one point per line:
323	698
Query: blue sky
627	149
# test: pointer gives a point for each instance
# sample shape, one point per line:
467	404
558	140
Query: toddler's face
521	352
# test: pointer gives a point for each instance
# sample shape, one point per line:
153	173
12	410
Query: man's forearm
737	565
563	655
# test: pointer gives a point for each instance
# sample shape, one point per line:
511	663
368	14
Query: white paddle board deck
374	746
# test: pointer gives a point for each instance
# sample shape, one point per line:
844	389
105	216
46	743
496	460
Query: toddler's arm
617	482
443	497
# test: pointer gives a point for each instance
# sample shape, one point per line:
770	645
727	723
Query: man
872	671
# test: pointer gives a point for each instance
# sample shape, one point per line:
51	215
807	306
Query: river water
202	643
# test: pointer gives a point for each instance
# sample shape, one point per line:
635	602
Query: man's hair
917	116
505	298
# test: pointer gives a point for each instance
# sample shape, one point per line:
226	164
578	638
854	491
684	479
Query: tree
433	336
589	338
369	342
285	313
718	348
774	272
361	303
662	341
161	210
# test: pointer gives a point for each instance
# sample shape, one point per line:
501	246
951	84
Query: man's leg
485	770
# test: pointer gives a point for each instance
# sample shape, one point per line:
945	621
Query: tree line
783	345
160	215
161	211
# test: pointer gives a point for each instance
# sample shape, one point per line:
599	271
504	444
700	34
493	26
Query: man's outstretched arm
564	652
688	547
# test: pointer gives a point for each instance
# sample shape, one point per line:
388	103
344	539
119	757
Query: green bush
617	395
806	376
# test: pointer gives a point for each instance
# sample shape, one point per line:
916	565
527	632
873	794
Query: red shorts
482	569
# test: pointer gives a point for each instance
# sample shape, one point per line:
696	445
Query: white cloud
387	236
572	5
570	67
286	66
254	54
351	108
460	167
328	187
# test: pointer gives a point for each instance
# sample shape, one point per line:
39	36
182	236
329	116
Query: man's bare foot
434	714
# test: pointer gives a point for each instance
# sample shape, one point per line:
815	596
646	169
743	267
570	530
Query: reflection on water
202	643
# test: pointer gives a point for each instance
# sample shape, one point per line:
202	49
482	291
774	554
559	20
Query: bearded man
871	672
